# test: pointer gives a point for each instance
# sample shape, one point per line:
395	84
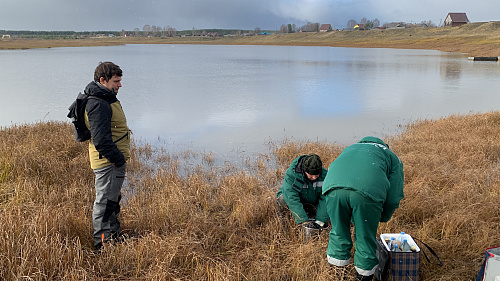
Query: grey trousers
108	184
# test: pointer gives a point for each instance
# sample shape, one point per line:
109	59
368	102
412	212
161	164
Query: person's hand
323	225
311	225
383	219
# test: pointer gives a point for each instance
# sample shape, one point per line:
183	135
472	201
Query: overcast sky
115	15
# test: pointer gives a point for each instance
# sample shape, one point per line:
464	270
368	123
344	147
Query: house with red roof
456	19
325	28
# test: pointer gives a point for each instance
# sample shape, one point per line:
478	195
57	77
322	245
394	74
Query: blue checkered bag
397	266
404	265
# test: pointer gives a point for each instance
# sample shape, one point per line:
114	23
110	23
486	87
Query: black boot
360	277
341	272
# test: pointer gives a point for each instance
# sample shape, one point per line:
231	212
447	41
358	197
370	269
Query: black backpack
77	116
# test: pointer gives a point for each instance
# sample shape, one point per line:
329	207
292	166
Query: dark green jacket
297	189
370	168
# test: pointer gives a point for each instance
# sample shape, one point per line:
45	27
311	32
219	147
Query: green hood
373	140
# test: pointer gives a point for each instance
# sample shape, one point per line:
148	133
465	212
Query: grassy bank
220	223
475	39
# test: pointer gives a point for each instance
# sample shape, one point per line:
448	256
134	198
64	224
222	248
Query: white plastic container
388	236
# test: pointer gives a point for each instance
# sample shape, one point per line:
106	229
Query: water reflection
234	98
451	68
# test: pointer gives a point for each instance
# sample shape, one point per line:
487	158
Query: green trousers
344	206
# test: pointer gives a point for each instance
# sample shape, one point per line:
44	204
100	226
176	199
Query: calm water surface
235	99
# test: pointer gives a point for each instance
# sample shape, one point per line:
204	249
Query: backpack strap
440	263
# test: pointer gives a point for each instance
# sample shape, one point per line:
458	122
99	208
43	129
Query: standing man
301	192
109	149
363	185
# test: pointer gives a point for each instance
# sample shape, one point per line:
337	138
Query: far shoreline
474	39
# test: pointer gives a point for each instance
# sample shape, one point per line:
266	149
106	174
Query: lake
233	100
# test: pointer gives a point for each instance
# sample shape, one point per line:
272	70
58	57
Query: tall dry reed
207	222
452	186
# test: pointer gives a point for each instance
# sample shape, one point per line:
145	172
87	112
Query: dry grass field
474	39
205	222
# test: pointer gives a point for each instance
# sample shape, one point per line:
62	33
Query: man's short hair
106	70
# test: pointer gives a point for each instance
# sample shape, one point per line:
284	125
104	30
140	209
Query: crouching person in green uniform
363	185
301	192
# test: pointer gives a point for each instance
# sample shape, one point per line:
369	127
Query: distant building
359	26
325	28
396	25
456	19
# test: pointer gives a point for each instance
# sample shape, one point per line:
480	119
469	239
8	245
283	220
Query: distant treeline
54	34
83	34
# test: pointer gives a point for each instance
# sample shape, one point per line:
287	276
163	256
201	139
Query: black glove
311	225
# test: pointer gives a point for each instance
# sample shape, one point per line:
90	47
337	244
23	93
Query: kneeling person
301	192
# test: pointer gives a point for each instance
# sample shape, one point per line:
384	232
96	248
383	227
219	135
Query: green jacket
370	168
297	189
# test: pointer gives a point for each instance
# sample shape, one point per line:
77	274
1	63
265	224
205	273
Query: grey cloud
237	14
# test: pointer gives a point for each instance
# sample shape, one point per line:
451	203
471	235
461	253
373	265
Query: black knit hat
312	165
